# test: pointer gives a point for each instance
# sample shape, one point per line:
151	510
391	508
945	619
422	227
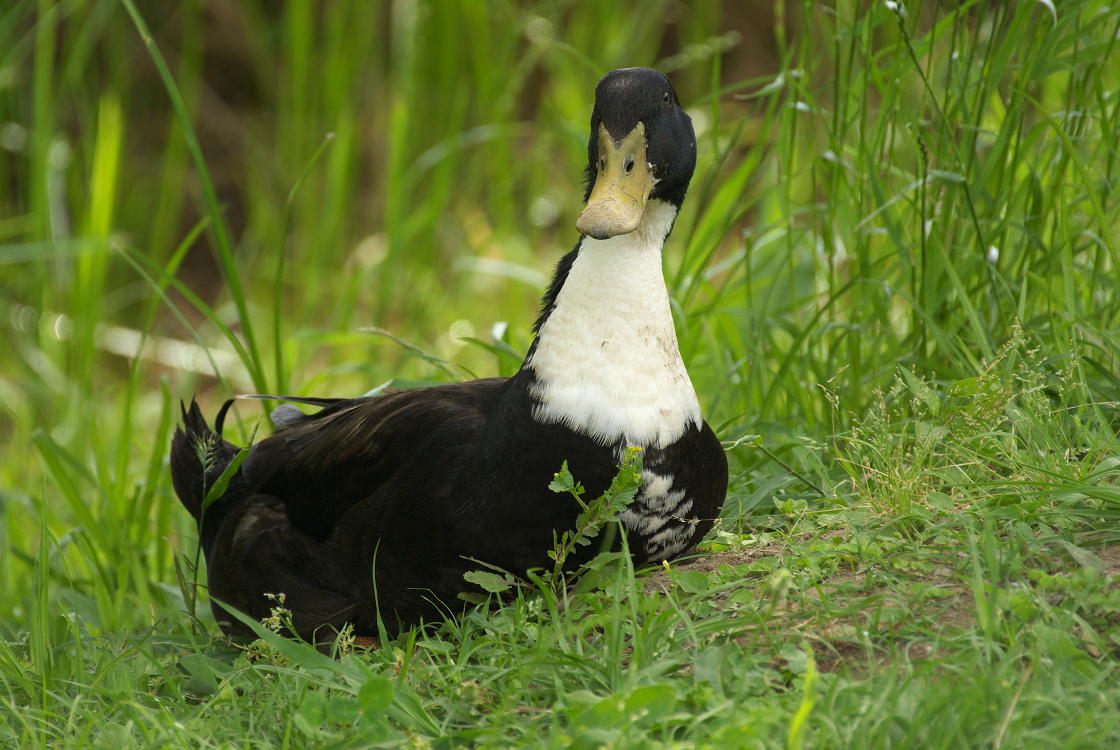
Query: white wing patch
655	514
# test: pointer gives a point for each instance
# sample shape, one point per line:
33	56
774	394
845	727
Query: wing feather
328	462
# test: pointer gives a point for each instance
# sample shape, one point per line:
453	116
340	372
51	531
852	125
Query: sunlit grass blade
223	244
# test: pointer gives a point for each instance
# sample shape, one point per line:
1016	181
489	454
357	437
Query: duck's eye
629	165
665	98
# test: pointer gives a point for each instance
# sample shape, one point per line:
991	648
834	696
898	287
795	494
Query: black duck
411	484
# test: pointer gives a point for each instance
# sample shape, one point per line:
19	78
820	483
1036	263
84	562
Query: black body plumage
379	505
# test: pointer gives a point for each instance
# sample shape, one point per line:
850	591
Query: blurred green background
451	138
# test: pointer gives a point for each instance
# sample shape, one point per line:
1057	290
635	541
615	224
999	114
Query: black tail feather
220	420
198	456
251	548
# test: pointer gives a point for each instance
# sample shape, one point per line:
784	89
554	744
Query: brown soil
1110	556
660	583
841	641
835	615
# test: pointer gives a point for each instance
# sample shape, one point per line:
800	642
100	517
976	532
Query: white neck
606	360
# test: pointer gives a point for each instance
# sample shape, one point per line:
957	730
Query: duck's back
405	491
406	447
409	490
387	491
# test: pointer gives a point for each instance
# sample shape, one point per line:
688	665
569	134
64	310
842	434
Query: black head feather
627	96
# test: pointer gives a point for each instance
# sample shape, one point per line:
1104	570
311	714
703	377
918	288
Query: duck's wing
286	414
323	464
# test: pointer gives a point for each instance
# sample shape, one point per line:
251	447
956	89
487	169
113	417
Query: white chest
607	363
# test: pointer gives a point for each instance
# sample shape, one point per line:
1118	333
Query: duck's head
642	148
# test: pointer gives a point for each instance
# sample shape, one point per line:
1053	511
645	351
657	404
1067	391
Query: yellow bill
622	186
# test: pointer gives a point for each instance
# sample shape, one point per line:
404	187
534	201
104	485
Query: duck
370	510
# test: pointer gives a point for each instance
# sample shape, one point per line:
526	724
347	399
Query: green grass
896	282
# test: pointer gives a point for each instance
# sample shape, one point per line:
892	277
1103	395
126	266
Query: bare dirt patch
1110	556
660	583
855	620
